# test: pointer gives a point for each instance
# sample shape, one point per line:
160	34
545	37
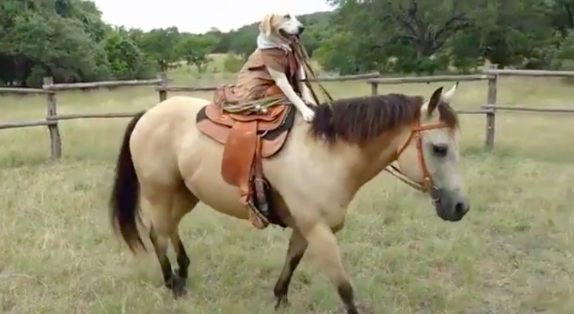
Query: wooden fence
489	110
49	89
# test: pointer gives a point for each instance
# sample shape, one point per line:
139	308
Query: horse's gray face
439	149
442	156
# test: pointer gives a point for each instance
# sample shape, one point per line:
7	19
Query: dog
280	31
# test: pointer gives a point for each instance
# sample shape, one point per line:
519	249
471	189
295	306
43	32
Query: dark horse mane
361	119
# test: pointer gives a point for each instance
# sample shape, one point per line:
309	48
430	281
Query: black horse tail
124	199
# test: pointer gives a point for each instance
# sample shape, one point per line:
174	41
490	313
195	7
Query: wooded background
67	40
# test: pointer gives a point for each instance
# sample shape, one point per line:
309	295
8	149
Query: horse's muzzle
450	206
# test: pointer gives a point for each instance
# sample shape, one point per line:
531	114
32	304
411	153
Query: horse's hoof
281	302
178	286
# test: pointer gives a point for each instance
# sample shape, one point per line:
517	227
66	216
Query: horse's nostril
461	207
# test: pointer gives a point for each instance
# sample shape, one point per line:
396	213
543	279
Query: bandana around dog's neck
264	42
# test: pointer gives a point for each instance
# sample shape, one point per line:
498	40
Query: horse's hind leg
168	207
172	281
184	202
297	247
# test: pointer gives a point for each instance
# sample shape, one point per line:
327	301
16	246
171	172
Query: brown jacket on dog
254	81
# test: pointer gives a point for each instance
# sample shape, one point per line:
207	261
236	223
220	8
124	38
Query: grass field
513	253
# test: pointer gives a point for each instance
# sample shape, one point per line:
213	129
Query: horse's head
421	135
430	156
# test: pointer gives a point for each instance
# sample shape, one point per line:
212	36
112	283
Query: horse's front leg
297	247
325	249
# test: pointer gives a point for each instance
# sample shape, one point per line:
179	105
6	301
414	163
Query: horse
168	164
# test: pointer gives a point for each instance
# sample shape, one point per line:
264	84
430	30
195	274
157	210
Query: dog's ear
266	26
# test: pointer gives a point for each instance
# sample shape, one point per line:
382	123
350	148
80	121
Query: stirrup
257	219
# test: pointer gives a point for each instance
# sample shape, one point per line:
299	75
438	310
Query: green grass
513	253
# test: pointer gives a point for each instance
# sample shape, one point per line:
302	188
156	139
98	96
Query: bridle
427	185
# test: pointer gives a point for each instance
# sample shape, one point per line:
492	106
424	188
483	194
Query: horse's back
182	107
159	134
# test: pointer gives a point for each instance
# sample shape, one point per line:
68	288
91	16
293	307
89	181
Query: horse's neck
378	154
346	166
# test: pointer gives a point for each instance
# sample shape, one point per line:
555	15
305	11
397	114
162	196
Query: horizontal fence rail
19	125
91	116
23	91
185	89
531	73
429	79
528	109
76	86
346	78
50	90
423	79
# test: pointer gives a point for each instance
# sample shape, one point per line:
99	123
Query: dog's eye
287	16
440	149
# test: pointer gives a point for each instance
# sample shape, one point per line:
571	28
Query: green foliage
126	60
244	41
339	53
465	51
160	45
436	35
68	40
196	49
232	64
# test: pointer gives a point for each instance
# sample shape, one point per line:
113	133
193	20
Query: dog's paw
308	115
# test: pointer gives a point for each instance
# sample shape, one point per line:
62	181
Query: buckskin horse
172	157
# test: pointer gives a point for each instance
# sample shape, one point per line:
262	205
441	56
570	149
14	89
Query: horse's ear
433	102
447	97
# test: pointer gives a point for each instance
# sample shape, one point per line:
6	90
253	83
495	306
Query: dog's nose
301	29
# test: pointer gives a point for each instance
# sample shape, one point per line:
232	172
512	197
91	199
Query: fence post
162	86
374	89
490	116
51	111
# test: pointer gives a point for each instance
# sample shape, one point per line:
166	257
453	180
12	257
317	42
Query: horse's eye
287	16
440	149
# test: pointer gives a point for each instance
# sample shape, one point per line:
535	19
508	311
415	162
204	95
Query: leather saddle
247	139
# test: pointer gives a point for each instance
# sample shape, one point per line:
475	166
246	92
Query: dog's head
285	27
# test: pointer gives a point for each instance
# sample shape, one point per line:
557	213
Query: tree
68	40
195	49
160	45
400	30
223	40
244	41
126	59
37	42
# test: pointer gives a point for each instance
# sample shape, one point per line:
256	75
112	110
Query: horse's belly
219	196
200	167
